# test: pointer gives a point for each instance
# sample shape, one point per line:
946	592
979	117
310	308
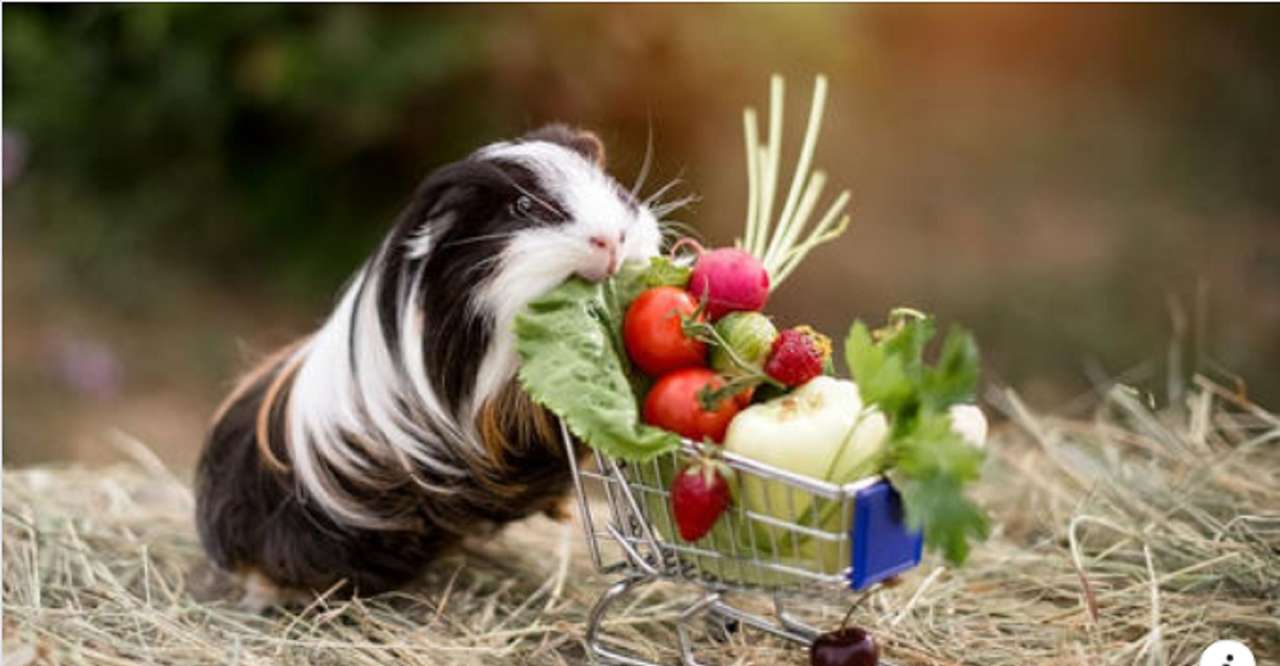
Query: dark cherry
847	646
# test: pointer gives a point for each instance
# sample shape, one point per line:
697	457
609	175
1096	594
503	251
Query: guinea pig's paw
262	594
208	583
558	511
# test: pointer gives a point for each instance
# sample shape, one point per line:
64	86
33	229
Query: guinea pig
353	457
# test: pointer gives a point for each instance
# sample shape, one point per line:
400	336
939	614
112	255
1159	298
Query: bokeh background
186	187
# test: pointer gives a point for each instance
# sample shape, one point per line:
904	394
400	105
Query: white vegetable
824	431
969	422
819	430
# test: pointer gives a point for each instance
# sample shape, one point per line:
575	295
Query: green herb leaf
573	363
937	505
954	379
882	379
929	463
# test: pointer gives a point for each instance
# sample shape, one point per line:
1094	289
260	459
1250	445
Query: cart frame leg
788	629
712	604
596	619
687	657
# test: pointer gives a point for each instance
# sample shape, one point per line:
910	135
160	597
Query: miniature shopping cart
785	535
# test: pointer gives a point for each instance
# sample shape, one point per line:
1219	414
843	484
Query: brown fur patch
267	409
509	422
253	376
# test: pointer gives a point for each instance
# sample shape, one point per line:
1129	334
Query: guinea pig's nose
607	244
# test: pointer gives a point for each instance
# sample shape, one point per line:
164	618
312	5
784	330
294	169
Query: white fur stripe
358	409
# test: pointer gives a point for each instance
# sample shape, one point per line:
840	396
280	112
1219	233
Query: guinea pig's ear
581	141
447	190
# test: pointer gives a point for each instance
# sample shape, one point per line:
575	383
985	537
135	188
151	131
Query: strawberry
699	494
798	355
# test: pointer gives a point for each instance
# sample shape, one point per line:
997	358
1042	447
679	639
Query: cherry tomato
652	331
673	404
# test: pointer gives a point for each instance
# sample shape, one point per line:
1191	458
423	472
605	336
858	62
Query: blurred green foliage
1058	178
261	136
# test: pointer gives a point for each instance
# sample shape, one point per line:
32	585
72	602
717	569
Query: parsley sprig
929	462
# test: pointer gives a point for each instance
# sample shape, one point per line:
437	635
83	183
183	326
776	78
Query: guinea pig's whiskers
479	239
661	210
484	264
648	162
537	199
661	192
676	228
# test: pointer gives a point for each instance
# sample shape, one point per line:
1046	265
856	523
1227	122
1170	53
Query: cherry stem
857	602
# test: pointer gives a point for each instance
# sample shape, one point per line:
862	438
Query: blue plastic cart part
883	546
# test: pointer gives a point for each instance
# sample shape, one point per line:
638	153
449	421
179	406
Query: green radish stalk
781	244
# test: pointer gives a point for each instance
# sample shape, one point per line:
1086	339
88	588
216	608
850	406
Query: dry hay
1136	537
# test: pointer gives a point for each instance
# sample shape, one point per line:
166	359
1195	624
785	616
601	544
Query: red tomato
652	333
673	404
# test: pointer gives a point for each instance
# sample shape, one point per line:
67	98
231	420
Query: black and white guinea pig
354	456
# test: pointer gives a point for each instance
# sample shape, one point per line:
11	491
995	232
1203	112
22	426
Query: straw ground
1135	537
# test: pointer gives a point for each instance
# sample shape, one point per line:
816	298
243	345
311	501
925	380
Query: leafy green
663	272
932	465
574	362
929	462
881	376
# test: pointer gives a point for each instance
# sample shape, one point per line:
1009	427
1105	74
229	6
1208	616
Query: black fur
253	515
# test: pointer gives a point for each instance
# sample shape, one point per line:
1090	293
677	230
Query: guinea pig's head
572	215
488	234
541	208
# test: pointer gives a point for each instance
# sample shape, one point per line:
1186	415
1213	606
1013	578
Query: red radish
653	333
729	280
699	494
672	404
798	355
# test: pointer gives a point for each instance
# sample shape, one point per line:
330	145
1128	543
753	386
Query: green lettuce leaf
573	361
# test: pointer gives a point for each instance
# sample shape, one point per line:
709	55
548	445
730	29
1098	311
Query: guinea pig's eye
524	206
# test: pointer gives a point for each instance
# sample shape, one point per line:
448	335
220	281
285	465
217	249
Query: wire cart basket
785	535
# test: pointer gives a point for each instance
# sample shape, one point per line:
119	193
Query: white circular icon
1227	653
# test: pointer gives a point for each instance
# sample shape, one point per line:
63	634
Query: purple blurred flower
88	366
15	155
